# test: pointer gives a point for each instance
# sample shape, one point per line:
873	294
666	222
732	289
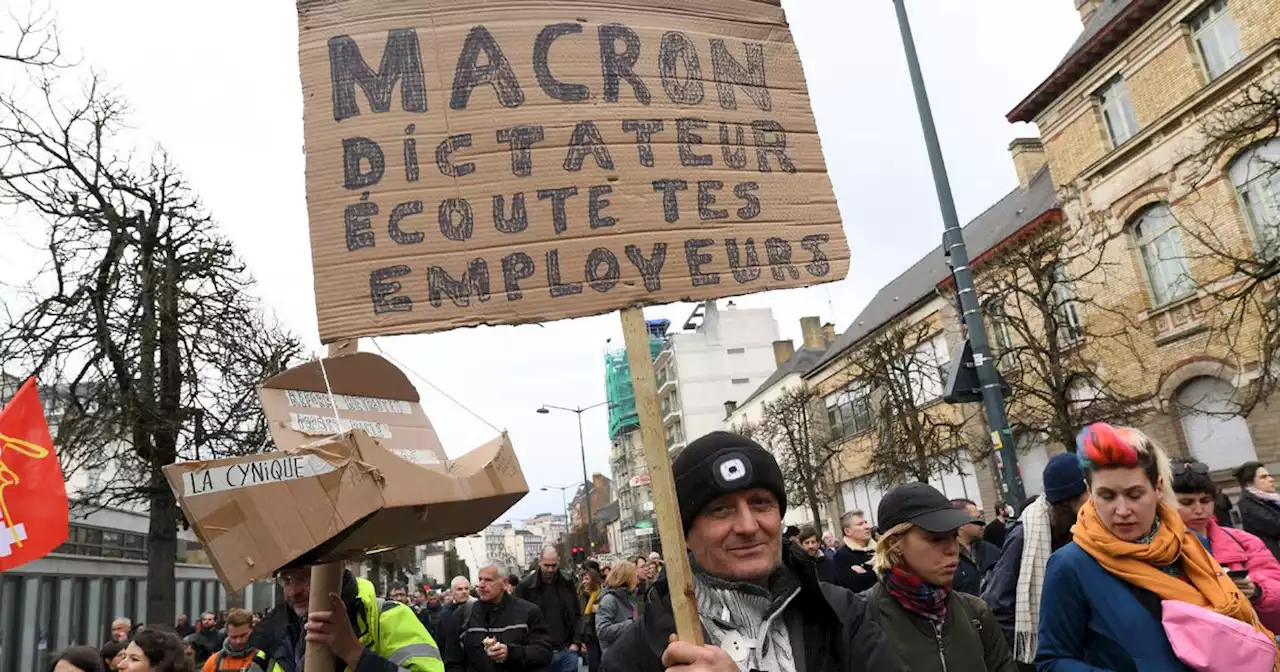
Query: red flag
33	494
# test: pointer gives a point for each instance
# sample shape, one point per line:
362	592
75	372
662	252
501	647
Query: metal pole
586	485
953	242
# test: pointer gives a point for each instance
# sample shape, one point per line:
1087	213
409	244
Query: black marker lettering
356	151
596	258
678	49
383	289
401	57
618	66
779	252
734	153
586	140
553	278
651	268
465	225
519	219
520	139
496	72
358	218
598	203
728	72
558	197
516	266
696	259
644	130
743	273
444	156
751	203
669	187
542	70
410	156
686	137
398	214
776	146
706	198
812	243
474	282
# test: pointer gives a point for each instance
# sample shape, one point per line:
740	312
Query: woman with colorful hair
1250	565
1101	606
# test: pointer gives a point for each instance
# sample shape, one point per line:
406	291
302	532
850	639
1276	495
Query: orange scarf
1207	584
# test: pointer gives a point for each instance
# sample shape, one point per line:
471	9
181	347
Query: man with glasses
364	632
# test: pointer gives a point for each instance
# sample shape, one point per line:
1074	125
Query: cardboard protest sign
471	162
339	495
363	391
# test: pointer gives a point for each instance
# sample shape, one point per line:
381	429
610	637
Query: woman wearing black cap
931	626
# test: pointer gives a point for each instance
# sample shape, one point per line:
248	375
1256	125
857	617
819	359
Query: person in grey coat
617	607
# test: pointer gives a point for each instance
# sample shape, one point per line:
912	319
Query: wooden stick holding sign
679	575
326	578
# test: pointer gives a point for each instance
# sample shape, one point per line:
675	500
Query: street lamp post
953	244
586	481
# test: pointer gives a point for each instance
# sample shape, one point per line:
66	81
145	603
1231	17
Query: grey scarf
753	613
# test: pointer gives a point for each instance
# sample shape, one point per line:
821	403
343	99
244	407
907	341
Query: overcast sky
217	84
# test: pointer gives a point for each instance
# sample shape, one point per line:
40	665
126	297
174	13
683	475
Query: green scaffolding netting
617	381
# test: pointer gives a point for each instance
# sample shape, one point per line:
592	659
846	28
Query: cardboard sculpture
379	480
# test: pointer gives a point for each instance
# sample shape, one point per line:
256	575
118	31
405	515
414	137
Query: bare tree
795	431
1237	262
899	373
1052	322
141	318
31	38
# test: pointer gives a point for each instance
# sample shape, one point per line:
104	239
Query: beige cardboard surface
337	499
473	162
368	393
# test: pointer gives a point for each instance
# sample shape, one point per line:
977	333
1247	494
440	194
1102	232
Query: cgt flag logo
33	494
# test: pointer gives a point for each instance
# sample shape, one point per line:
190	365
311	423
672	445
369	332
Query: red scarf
915	595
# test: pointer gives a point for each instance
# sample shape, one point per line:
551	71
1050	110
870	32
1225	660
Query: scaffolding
617	381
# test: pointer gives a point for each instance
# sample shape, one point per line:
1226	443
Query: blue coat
1092	621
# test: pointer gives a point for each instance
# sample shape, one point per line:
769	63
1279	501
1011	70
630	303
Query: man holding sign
761	605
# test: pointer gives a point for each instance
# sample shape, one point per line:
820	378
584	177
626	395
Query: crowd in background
1128	561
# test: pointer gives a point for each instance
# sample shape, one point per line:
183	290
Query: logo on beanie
733	470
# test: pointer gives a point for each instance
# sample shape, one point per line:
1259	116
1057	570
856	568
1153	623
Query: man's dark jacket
974	568
281	637
512	621
839	630
1260	518
561	614
843	563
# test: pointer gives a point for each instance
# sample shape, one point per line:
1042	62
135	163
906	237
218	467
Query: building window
1254	174
1066	308
736	351
1217	38
927	369
998	324
1117	111
1160	244
849	410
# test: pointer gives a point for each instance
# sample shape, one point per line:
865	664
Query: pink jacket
1237	549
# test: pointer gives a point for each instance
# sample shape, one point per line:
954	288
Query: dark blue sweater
1090	621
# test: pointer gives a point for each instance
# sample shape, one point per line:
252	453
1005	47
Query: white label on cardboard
327	425
416	456
248	474
346	402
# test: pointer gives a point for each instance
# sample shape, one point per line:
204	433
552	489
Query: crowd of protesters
1128	560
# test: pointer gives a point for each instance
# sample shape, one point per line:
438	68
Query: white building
791	364
551	527
725	355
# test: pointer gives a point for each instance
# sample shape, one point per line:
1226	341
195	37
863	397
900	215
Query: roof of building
1112	23
1017	209
801	361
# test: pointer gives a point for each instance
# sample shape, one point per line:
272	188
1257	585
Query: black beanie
720	463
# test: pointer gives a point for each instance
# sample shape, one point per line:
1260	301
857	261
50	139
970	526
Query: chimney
1028	158
811	329
829	333
730	407
782	351
1087	9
